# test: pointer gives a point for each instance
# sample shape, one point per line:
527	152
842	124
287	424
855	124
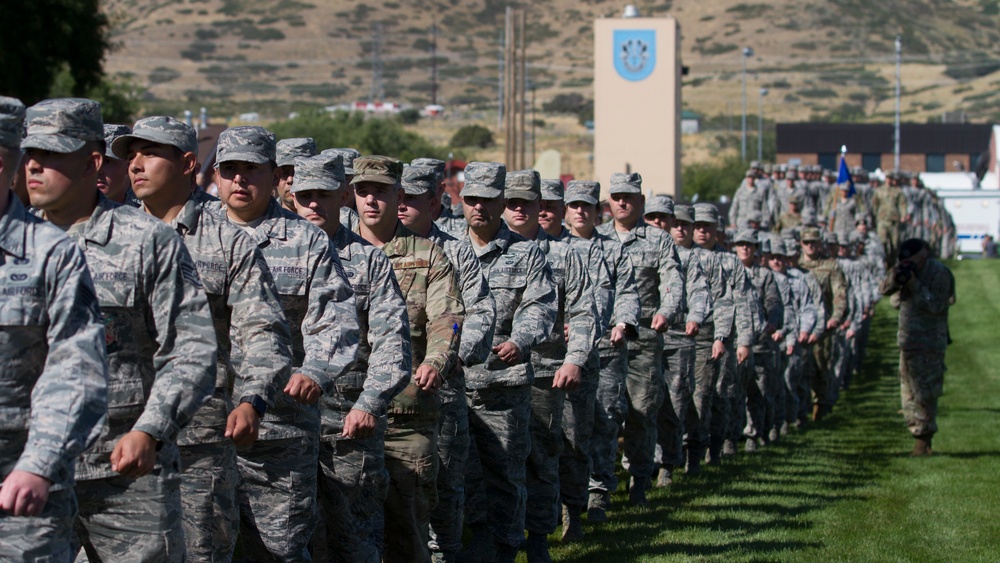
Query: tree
472	136
42	37
119	97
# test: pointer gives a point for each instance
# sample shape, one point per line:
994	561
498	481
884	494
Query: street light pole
747	53
899	56
760	124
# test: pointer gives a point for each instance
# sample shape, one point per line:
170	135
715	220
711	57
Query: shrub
472	136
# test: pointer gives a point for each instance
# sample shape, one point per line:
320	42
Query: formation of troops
336	361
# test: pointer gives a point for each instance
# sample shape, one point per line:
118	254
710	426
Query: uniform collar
12	240
189	215
98	228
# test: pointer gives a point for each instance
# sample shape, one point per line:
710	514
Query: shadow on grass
765	506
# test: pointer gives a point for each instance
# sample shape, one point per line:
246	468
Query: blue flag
844	175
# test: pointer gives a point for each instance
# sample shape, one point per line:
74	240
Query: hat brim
306	185
410	189
551	196
625	190
520	194
120	145
239	156
53	143
377	178
476	190
580	197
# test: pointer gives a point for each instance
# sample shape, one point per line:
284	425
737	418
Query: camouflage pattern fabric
349	218
760	199
208	500
760	401
52	344
833	290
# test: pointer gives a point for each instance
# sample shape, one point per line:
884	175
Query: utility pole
747	53
509	75
500	82
434	64
522	163
378	90
760	124
899	61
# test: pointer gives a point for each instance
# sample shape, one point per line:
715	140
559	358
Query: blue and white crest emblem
635	53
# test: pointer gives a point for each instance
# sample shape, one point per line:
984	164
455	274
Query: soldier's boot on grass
818	412
665	478
506	553
773	436
637	491
922	446
598	506
537	548
751	445
572	523
481	549
693	466
784	428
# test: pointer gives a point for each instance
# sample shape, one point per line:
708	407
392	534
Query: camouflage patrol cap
160	129
288	151
791	247
436	164
552	190
706	213
418	180
684	213
795	198
765	244
622	183
750	172
843	239
63	125
484	179
769	169
112	132
324	172
748	236
831	238
754	164
523	184
659	204
778	247
348	156
811	234
11	122
754	217
378	169
587	191
246	143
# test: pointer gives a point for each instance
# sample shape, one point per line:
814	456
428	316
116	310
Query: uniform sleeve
184	360
723	307
774	308
697	294
671	282
390	362
480	307
70	398
747	309
330	330
445	312
935	297
259	327
816	296
838	283
536	314
604	288
581	313
627	307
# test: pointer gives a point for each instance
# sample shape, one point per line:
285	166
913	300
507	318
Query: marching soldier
286	151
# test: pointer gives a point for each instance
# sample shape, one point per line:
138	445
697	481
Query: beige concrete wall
637	124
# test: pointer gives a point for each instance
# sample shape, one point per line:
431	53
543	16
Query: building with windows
923	147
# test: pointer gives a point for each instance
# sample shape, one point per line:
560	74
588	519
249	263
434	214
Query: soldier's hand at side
303	389
813	339
243	425
659	323
568	377
617	335
566	333
691	329
831	324
427	378
850	333
24	493
769	329
358	424
507	352
134	455
777	336
803	337
718	350
791	350
742	353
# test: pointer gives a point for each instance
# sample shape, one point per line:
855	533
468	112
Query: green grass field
846	489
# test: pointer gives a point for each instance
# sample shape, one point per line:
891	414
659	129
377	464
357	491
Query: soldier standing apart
353	481
833	288
417	209
158	331
578	410
53	369
277	491
434	307
163	155
499	390
661	291
582	198
922	289
286	152
558	362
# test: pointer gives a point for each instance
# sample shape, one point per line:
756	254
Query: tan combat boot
572	523
922	447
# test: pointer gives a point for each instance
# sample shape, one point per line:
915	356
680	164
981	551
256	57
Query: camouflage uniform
277	492
244	306
499	394
833	289
661	292
286	151
806	320
575	303
53	366
923	338
747	200
453	435
617	306
889	209
434	306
